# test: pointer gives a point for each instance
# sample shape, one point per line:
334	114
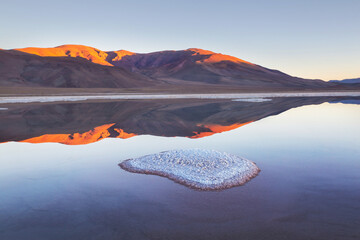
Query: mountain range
77	66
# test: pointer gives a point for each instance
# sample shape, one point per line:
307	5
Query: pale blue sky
307	38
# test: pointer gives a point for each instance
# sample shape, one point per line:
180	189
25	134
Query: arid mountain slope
201	66
184	67
22	69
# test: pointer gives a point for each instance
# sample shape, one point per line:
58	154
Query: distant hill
351	80
78	66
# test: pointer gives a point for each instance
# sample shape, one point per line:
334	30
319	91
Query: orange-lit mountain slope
92	54
79	51
211	57
21	69
107	58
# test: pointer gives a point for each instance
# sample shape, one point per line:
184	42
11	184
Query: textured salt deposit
196	168
252	100
29	99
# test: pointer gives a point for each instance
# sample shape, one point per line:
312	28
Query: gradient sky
307	38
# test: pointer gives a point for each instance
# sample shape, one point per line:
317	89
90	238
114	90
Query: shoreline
152	96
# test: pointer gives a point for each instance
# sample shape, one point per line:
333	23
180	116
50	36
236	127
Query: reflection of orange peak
123	134
102	132
215	128
91	136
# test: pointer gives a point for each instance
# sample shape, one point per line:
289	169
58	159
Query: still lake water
308	151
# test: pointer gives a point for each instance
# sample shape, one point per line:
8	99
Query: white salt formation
30	99
252	100
196	168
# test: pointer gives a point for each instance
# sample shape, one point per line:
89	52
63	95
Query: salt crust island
196	168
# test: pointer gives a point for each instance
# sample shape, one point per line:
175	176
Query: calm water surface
308	187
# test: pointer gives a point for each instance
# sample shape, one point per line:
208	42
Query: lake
60	178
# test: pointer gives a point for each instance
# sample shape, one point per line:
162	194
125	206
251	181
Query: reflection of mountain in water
82	123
